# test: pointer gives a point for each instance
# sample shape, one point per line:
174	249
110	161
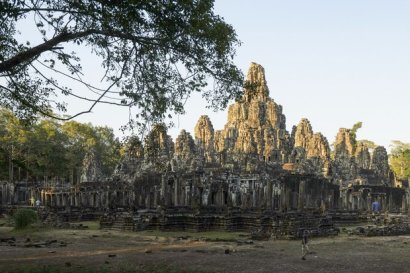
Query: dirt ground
96	250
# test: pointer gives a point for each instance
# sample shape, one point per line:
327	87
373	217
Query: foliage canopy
400	159
48	149
153	53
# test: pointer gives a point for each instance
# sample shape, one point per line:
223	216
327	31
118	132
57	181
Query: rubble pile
292	224
389	227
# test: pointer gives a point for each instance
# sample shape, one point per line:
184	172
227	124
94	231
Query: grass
92	225
24	217
39	232
208	235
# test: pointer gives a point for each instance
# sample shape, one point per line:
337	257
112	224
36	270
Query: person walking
32	200
305	244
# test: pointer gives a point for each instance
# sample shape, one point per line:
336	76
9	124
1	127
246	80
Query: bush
24	217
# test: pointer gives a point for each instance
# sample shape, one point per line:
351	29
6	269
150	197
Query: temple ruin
251	174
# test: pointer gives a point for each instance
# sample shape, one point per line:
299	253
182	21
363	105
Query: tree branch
27	55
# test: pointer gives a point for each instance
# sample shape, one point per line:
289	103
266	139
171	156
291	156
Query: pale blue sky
333	62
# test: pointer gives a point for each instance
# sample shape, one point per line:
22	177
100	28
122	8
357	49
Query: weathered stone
131	161
380	163
256	127
257	85
158	146
318	146
344	144
362	156
91	167
204	137
185	148
303	133
345	167
311	151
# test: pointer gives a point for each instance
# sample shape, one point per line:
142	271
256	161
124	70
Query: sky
333	62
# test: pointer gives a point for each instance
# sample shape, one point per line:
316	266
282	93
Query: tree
49	150
154	54
13	137
353	131
400	159
80	139
368	143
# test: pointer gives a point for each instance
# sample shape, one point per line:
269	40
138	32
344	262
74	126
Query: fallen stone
7	239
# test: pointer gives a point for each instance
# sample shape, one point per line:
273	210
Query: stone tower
256	127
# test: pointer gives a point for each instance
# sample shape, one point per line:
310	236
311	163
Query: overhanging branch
27	55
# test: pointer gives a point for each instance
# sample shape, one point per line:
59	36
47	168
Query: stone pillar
147	199
64	201
163	191
403	204
355	205
360	203
43	197
369	202
91	199
253	198
176	192
301	196
97	200
349	201
269	194
155	196
182	198
53	200
133	199
84	201
282	198
76	199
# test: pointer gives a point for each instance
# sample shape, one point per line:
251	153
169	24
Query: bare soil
96	250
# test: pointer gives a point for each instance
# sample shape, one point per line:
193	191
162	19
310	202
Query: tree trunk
11	167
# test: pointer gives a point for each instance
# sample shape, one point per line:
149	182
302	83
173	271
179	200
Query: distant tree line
49	150
400	159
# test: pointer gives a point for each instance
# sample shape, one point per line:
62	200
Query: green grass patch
24	217
92	225
207	235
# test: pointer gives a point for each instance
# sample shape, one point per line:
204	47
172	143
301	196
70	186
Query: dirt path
116	252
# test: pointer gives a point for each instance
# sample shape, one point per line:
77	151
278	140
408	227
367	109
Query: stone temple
252	174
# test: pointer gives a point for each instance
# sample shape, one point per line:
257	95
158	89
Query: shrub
24	217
